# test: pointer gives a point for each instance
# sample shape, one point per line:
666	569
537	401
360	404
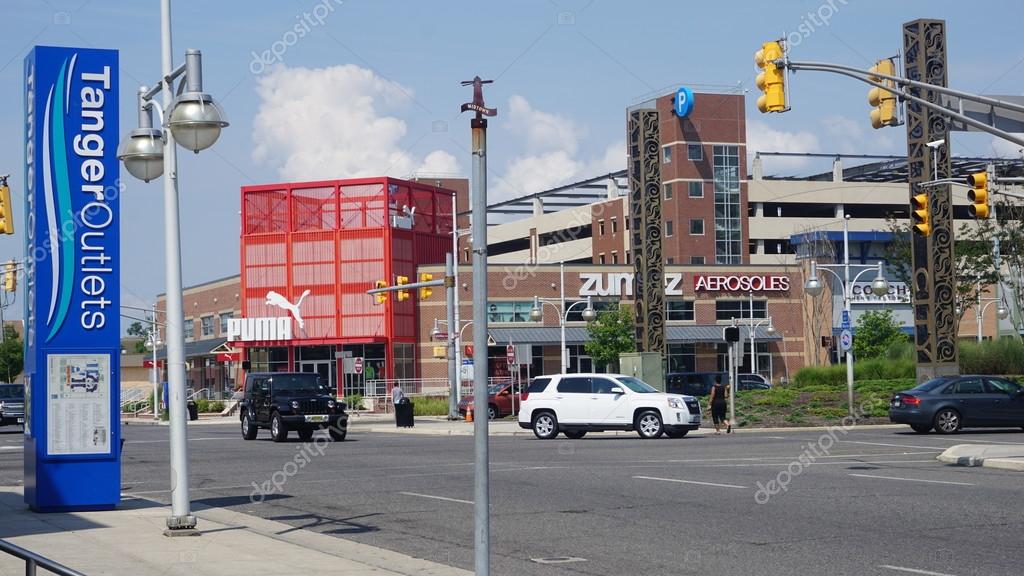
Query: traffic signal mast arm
866	75
409	286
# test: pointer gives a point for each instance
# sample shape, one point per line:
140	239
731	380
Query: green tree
877	330
12	355
142	331
612	333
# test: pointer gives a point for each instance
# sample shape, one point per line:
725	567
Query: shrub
1003	356
430	406
354	401
901	350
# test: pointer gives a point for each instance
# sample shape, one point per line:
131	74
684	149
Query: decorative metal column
934	291
645	214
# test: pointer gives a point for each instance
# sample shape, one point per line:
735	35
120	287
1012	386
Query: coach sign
72	280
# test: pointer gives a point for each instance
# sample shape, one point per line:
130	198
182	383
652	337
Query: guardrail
134	401
34	561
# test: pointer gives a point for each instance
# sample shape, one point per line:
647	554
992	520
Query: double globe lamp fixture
195	121
814	286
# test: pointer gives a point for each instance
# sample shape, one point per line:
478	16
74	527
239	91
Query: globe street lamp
195	120
537	314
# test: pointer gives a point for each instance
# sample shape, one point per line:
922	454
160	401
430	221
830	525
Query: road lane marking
937	448
914	570
676	480
911	479
432	497
232	438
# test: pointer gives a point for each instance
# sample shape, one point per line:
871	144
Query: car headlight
676	403
295	404
330	404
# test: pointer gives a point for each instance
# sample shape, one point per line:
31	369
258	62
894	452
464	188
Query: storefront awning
197	348
543	335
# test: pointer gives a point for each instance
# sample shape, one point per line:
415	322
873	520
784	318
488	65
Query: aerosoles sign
621	283
72	279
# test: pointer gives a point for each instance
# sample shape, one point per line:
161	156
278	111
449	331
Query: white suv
579	403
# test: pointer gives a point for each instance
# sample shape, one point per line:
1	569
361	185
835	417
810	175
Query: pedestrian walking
719	401
397	395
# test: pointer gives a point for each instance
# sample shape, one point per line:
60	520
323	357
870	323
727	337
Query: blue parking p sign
683	102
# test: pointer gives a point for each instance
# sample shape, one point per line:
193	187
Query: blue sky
373	87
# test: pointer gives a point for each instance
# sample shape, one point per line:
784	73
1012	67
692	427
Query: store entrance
324	368
318	360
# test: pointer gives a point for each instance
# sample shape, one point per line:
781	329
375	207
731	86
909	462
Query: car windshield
299	384
16	392
931	384
637	385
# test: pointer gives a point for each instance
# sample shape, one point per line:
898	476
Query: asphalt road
860	502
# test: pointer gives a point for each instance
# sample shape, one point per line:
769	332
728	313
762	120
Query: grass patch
817	404
430	405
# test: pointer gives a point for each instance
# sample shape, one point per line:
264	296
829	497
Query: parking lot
867	501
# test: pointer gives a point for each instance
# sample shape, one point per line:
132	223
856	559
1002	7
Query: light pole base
181	526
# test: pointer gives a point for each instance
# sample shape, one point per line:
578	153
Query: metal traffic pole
482	496
453	369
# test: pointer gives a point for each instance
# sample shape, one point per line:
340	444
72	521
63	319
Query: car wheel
305	434
278	431
545	425
676	433
492	412
648	425
947	421
575	434
249	429
921	428
338	435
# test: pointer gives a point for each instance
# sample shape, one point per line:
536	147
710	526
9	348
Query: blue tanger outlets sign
72	280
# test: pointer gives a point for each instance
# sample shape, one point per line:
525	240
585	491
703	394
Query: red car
501	401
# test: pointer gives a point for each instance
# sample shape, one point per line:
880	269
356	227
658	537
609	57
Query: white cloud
763	138
328	123
1006	149
550	154
848	136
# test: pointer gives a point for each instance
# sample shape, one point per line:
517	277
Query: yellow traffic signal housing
772	81
426	291
884	101
402	295
978	195
921	215
380	297
6	211
10	277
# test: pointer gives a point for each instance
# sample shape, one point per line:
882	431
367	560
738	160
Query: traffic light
426	291
403	295
6	213
884	101
772	81
380	297
920	212
10	276
978	194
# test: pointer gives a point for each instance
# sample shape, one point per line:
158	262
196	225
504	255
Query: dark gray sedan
950	403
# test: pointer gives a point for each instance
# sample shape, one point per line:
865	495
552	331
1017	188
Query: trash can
404	414
193	410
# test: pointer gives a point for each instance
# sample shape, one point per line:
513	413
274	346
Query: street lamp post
879	286
537	314
194	120
979	311
154	341
753	329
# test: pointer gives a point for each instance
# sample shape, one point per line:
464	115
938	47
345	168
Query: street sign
510	354
846	320
468	351
357	365
846	340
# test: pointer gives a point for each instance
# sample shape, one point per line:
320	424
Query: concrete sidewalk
130	540
1003	456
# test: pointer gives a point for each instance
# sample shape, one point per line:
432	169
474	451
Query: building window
682	358
696	260
600	227
728	233
696	189
669	229
206	326
668	190
600	258
694	152
268	359
224	317
509	311
740	309
190	328
615	257
576	313
679	310
670	261
615	225
696	226
666	155
405	360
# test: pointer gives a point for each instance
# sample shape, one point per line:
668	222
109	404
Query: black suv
12	404
284	401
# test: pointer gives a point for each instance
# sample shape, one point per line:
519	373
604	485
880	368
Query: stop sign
510	354
357	366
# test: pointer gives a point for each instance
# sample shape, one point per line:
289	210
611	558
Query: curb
1004	457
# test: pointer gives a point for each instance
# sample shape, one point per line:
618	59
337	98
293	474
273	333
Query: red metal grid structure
335	238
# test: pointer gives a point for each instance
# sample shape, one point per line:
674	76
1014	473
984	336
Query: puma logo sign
275	299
